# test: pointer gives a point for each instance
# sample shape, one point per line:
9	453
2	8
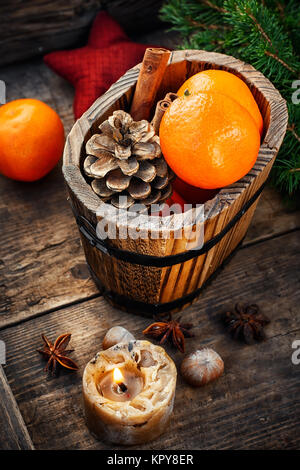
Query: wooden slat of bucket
174	283
208	263
151	284
238	232
176	73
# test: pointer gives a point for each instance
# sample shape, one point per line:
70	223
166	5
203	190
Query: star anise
246	322
57	353
171	329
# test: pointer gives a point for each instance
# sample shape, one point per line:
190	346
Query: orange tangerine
209	139
31	139
226	83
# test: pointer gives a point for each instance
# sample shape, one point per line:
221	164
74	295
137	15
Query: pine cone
126	160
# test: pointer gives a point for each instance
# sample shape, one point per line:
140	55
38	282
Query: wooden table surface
45	287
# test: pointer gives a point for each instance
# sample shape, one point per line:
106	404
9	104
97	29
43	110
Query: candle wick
122	387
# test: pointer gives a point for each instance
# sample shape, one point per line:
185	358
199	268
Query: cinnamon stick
171	97
161	108
151	74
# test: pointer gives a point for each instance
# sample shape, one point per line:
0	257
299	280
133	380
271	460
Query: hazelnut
115	335
201	367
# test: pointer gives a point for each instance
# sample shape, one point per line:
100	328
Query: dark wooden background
33	27
45	287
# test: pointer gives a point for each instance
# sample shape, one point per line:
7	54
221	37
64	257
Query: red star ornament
108	54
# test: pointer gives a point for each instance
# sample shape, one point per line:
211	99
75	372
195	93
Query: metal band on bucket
89	232
147	309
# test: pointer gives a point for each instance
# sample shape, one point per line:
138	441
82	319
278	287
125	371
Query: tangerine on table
209	140
226	83
31	139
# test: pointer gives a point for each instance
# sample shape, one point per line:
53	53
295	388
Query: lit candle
118	387
128	392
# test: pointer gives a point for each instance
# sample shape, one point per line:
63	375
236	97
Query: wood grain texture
254	405
30	218
168	284
40	26
271	217
13	432
35	80
41	262
151	73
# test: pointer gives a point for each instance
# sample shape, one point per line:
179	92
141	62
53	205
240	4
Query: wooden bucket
156	275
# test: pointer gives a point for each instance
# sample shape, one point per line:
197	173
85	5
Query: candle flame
118	376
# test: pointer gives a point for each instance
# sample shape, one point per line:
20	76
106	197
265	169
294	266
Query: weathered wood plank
254	405
13	432
271	218
40	26
35	80
150	284
42	265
